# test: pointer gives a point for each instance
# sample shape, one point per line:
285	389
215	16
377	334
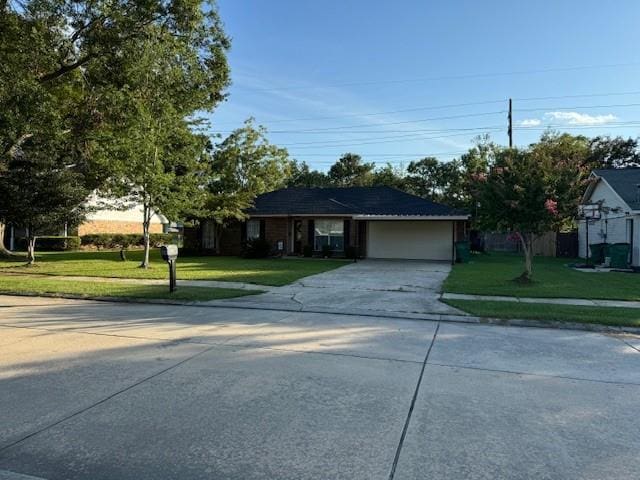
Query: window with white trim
253	229
329	232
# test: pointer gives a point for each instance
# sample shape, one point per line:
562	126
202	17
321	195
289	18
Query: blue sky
387	79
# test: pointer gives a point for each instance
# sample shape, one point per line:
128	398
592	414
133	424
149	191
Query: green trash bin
598	252
619	253
463	252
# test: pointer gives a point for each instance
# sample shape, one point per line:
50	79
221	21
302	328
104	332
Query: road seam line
104	400
561	377
413	403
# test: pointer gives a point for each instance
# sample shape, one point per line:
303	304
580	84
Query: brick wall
276	230
230	239
111	226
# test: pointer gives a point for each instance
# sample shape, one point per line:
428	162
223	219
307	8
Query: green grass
627	317
22	284
493	274
271	271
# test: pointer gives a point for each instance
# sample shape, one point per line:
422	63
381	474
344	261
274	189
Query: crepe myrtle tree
516	196
41	195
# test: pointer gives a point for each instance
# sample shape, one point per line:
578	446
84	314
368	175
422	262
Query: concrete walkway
582	302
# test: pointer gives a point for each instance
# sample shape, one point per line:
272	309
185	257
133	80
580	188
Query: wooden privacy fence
550	244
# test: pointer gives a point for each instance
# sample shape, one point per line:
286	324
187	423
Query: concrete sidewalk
148	281
581	302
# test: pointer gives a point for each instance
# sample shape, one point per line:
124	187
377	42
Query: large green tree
59	79
303	176
351	171
158	158
243	166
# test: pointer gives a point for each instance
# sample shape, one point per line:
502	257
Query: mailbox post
170	255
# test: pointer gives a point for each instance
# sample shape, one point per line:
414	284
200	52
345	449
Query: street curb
434	317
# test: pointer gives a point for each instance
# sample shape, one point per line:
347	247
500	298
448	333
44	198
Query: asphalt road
92	390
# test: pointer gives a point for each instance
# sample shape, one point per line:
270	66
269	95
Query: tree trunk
145	234
4	251
527	248
31	250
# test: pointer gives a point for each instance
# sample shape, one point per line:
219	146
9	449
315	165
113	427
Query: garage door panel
420	240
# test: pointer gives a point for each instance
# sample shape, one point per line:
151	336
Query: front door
297	237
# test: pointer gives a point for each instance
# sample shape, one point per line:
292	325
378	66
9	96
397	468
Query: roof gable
625	182
347	201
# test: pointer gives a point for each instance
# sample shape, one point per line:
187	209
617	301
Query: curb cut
435	317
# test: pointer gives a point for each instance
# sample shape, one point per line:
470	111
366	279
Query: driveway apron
365	287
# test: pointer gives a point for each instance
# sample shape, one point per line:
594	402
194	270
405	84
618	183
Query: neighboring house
115	216
615	194
382	222
109	216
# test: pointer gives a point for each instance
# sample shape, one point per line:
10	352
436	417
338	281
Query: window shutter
347	233
311	231
262	229
243	232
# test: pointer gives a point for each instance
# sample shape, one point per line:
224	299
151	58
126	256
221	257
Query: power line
580	107
447	77
438	107
409	135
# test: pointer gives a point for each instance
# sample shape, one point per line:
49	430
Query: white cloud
531	122
576	118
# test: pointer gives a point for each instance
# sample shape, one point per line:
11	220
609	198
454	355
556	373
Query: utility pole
510	130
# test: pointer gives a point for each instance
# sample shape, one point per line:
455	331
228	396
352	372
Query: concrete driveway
93	390
365	287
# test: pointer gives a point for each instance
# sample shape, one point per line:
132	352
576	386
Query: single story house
613	197
381	222
107	216
119	216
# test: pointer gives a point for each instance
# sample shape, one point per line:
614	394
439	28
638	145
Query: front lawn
492	274
19	284
271	271
622	317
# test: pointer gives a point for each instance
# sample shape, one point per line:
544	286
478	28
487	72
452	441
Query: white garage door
423	240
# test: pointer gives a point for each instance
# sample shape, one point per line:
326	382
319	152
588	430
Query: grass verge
18	284
267	271
493	274
619	317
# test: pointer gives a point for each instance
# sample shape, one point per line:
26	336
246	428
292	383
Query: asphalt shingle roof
347	201
626	182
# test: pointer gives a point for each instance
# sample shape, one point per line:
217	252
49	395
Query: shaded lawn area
492	274
626	317
268	271
22	284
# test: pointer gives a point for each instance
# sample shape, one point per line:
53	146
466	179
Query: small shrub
51	243
307	251
126	240
326	251
257	248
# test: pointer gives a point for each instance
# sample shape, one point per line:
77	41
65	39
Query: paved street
94	390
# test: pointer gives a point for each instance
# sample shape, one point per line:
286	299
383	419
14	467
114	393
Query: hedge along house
381	222
615	194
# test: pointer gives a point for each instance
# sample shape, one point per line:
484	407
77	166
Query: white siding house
618	194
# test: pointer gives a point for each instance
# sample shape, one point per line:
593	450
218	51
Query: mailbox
169	252
170	255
